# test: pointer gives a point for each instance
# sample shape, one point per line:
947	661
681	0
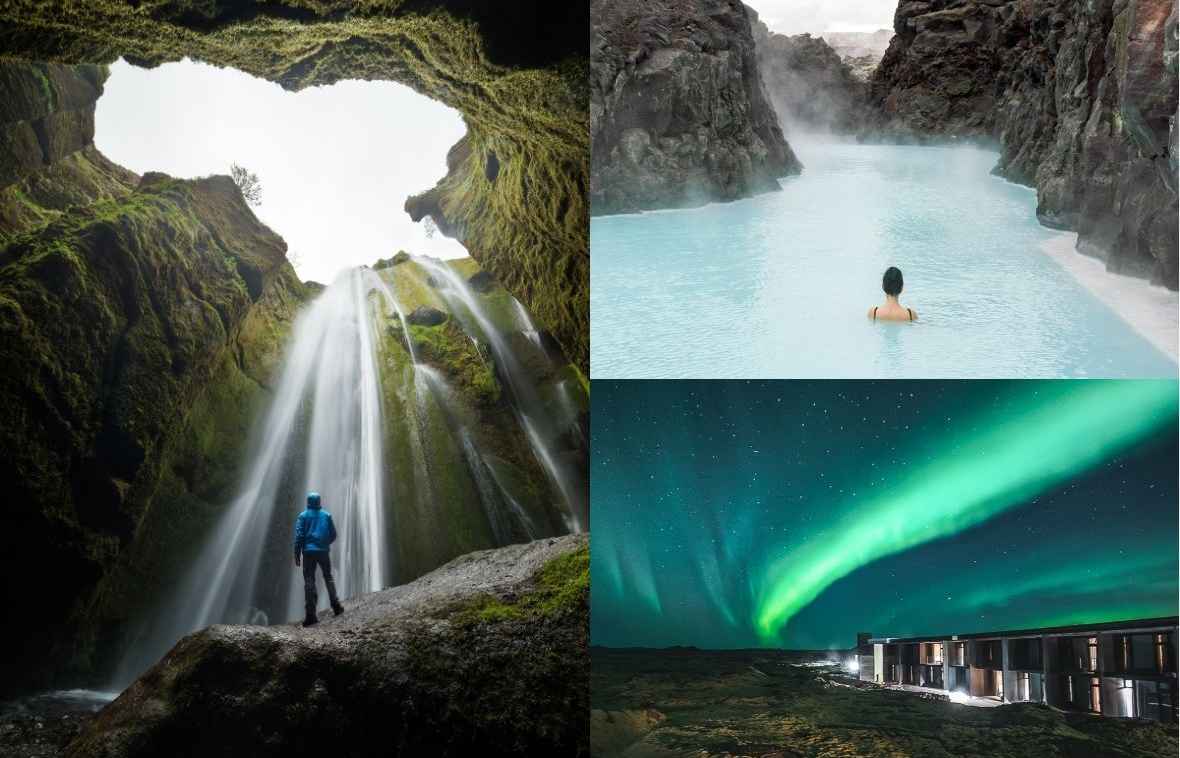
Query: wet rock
486	655
482	281
36	737
1081	97
424	315
678	112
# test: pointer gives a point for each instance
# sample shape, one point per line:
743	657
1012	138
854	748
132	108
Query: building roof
1165	622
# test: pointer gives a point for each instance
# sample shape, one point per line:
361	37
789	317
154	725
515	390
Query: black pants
312	558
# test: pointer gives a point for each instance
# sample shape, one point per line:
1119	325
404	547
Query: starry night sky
796	514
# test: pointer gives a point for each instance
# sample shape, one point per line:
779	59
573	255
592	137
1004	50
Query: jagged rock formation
141	319
515	193
1081	97
47	114
862	51
678	113
47	158
811	88
486	655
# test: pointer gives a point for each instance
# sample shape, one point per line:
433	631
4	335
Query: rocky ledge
1081	96
678	113
486	655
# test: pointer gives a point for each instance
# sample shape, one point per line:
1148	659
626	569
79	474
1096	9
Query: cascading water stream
430	383
323	431
329	374
391	300
528	405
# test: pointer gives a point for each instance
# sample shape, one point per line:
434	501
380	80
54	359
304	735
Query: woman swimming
892	310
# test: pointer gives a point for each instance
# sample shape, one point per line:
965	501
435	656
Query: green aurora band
1001	462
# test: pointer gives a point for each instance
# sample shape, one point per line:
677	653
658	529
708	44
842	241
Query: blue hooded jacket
314	530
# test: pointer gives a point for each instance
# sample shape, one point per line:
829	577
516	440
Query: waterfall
325	430
329	374
530	410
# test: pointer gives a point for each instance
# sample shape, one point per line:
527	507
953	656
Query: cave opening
519	80
332	162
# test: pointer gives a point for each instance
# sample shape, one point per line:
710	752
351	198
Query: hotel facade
1125	668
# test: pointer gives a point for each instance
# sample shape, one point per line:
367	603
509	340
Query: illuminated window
1092	643
1095	695
1127	697
1161	653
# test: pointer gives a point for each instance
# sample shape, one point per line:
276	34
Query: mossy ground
688	702
560	585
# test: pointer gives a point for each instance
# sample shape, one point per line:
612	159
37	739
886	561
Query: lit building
1125	668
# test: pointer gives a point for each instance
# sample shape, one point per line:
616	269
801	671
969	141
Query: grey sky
335	163
819	16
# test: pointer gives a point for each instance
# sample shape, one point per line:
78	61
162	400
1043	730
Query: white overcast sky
335	163
799	16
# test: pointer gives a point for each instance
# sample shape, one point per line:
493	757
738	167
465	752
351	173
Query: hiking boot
337	609
310	621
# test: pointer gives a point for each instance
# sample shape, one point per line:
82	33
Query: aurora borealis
795	514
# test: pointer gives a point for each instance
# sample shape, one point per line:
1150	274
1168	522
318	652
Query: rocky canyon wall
124	300
811	87
678	112
515	193
1080	96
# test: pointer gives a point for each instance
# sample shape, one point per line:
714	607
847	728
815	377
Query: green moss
133	346
576	373
400	257
464	267
523	97
562	584
80	179
449	349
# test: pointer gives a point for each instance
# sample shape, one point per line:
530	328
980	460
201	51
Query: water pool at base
779	285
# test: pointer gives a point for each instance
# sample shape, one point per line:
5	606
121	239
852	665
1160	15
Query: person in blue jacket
314	534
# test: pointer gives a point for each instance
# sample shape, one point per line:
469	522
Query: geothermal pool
778	285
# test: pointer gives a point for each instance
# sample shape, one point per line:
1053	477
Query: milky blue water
778	286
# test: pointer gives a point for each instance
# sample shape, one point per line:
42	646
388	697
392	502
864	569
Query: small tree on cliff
248	184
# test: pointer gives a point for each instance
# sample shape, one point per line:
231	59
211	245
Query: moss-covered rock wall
460	472
46	114
137	332
515	193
